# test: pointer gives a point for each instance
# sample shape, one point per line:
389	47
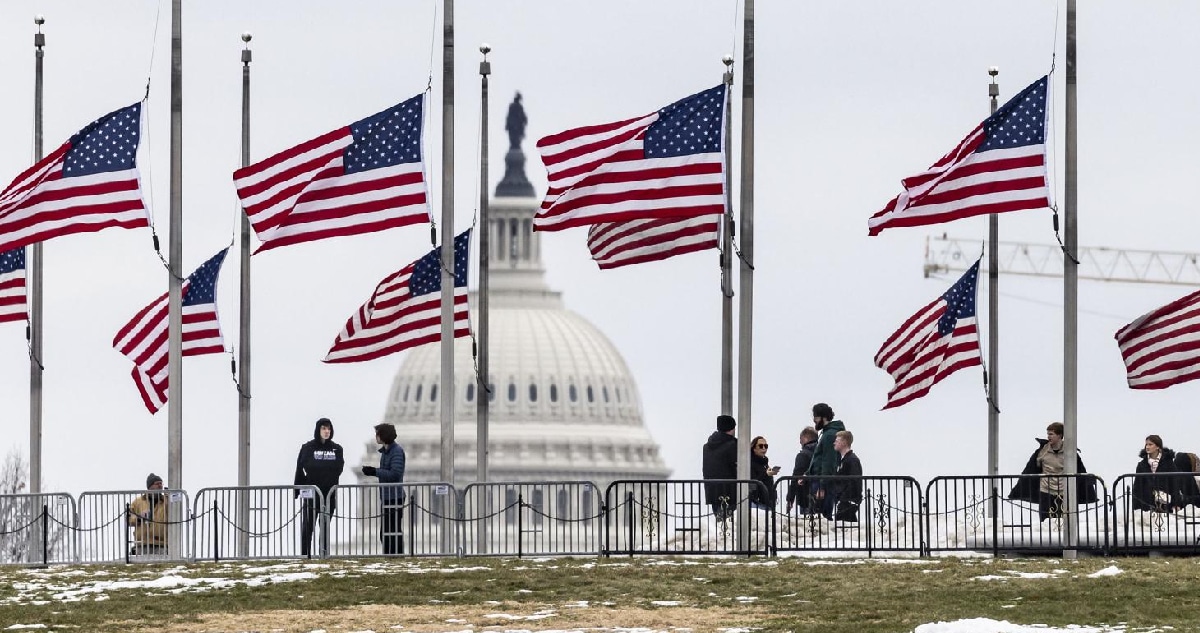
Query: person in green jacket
825	458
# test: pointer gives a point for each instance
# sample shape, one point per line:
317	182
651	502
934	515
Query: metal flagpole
34	268
746	282
447	381
727	226
243	442
175	286
993	369
481	324
1070	298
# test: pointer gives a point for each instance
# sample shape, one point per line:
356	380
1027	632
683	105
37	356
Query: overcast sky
851	97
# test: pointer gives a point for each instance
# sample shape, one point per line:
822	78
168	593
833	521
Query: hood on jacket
317	429
718	437
1165	453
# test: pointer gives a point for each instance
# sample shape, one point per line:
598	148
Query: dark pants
308	520
823	503
1049	506
391	529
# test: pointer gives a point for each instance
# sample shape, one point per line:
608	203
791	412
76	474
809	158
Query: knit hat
725	423
151	479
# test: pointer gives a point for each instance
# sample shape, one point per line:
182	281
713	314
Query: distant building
564	404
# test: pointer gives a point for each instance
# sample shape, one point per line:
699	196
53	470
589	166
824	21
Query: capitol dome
564	405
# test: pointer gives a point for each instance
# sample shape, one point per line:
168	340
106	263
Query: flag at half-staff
405	309
1162	348
12	285
144	339
667	164
940	339
999	167
616	244
88	184
362	178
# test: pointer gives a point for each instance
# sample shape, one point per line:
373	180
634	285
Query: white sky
851	97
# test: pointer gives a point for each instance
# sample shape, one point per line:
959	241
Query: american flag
406	309
12	285
1162	348
363	178
999	167
668	164
144	338
937	341
616	244
88	184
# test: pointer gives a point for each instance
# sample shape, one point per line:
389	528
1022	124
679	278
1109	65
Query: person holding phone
761	470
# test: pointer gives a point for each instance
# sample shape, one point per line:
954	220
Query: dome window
572	393
471	392
553	392
406	388
491	392
591	394
512	392
532	392
417	397
617	392
604	391
433	392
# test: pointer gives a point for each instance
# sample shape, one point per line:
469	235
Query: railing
995	514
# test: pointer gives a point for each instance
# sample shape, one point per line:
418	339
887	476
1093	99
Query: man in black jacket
720	462
847	493
319	464
1047	492
799	491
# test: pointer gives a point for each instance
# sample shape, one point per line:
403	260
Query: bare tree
20	514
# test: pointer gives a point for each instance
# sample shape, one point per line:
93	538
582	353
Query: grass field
710	594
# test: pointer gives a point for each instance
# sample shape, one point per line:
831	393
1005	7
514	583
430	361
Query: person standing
798	494
148	516
390	471
847	493
319	463
824	459
1152	491
762	471
720	462
1047	492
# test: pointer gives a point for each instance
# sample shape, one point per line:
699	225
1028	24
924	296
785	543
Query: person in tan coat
148	516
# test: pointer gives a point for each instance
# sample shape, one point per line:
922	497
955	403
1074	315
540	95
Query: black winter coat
1166	481
1186	464
319	463
391	471
798	492
758	472
848	490
720	462
1027	488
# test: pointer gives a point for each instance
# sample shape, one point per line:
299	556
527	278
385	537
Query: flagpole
727	250
1070	295
34	269
993	368
481	325
243	441
746	282
175	285
447	381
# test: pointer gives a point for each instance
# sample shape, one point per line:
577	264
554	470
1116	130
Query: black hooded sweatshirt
320	462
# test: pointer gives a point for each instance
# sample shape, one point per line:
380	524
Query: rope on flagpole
153	42
987	385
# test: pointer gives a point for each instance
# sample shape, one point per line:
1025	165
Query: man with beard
825	457
148	516
319	464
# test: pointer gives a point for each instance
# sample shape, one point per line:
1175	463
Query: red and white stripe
304	194
917	357
600	174
1162	348
619	244
144	341
393	320
40	204
12	296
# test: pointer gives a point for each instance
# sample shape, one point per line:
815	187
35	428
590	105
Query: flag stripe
640	241
1162	348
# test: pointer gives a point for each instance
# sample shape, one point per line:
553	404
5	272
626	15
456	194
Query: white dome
564	405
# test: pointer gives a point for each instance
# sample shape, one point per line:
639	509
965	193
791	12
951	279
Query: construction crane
945	254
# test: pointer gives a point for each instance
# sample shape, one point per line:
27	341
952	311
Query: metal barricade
258	522
416	520
37	529
133	526
1153	512
1010	513
870	513
532	518
683	517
